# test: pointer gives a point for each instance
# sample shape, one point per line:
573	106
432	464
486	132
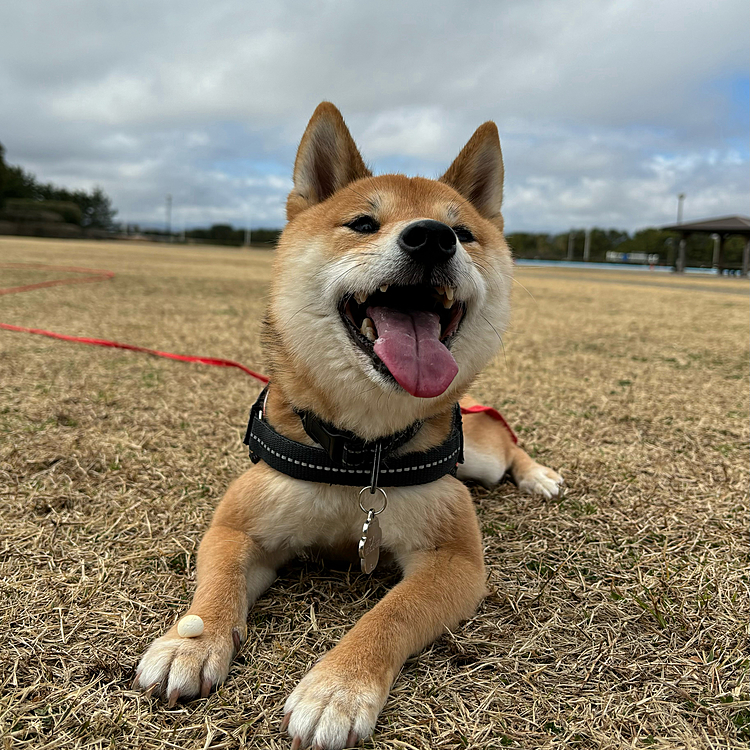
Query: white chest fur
297	514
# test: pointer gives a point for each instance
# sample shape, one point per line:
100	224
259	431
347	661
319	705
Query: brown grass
619	612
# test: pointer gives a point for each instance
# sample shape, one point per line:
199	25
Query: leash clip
373	487
369	542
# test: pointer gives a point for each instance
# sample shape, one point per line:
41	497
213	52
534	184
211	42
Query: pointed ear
327	160
477	172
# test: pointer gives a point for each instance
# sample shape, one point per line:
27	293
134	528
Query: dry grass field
618	616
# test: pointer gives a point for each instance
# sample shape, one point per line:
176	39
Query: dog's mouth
407	332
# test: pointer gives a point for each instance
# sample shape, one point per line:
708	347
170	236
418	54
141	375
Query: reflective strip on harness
313	464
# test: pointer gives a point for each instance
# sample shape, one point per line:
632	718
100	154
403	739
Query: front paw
334	707
539	480
176	667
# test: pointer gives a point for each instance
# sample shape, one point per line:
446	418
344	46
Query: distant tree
700	250
226	234
539	246
14	182
604	240
650	241
94	209
265	236
733	249
36	210
97	209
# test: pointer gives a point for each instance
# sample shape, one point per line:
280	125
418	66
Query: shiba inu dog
388	297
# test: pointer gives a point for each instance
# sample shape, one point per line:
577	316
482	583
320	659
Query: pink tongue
409	345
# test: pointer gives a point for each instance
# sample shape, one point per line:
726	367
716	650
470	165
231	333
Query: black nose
428	242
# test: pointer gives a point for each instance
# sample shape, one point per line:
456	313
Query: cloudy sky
606	108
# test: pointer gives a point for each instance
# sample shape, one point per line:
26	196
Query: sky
607	109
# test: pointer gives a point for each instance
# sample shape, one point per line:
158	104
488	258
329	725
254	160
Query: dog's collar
346	459
345	447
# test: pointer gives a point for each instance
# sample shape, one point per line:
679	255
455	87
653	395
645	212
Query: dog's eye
464	234
363	225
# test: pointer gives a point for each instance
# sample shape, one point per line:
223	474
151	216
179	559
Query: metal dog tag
369	544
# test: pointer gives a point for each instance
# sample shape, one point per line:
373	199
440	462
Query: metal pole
720	264
680	201
587	245
681	256
669	244
169	217
717	250
571	244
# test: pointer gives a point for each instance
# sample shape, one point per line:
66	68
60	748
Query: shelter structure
723	226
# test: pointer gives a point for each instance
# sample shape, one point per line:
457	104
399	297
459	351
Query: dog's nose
428	242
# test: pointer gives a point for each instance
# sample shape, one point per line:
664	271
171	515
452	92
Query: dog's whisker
516	281
294	314
502	343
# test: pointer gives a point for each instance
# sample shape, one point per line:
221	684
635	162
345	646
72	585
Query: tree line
226	234
648	242
645	242
24	198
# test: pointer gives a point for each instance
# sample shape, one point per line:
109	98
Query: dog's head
390	293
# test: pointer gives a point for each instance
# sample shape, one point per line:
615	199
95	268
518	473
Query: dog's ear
477	172
327	160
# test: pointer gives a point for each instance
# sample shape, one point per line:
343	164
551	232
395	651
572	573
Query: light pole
169	217
682	249
680	200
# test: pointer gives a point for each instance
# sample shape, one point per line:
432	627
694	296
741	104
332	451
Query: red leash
99	275
95	275
132	348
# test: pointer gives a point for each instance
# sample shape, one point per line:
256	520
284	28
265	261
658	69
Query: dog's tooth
447	303
384	287
449	293
360	297
368	329
439	290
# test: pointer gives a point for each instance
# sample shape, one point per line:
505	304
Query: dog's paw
539	480
176	667
331	710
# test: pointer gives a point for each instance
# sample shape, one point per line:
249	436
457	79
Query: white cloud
606	109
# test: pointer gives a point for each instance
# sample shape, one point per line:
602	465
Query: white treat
190	626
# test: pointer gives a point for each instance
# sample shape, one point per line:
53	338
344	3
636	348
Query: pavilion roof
720	225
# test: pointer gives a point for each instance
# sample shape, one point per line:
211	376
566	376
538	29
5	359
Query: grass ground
618	614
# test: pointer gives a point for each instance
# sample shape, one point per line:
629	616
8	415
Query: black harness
343	458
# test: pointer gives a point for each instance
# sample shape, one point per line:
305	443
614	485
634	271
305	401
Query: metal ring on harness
367	510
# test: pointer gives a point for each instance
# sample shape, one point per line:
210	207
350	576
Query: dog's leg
489	452
337	703
232	571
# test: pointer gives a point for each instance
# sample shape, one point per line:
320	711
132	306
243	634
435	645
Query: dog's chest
301	514
304	514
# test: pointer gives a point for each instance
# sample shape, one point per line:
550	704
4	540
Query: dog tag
369	544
